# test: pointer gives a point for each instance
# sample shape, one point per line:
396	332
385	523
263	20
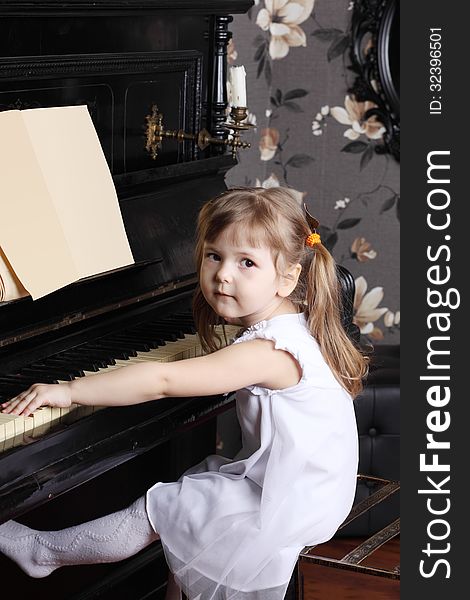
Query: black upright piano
119	58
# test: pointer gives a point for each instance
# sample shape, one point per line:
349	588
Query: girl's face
239	281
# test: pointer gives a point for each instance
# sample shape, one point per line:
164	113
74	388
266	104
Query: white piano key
7	429
42	420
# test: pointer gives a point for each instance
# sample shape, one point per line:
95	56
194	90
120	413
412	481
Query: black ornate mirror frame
375	58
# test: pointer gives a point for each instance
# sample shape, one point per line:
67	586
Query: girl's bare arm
229	369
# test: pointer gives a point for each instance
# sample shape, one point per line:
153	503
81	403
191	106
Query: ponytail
323	311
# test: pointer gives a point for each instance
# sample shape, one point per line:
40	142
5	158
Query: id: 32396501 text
435	71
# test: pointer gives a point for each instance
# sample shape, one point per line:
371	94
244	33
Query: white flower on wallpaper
282	19
353	114
319	121
270	182
316	128
251	119
392	319
366	308
341	204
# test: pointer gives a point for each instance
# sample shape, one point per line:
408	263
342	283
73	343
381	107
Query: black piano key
14	377
53	362
167	330
133	338
75	358
24	380
147	335
13	388
164	334
51	366
102	359
10	393
92	366
116	353
75	367
174	325
8	387
38	368
107	344
113	352
181	324
139	346
145	329
42	373
187	317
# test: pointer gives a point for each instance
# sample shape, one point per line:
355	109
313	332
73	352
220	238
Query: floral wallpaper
310	134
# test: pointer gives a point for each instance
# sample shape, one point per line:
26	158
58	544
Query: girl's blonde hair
273	217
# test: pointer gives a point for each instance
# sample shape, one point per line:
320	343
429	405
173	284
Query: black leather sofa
378	420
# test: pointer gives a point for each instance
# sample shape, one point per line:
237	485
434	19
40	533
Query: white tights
110	538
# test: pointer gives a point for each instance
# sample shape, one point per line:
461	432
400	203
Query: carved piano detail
118	58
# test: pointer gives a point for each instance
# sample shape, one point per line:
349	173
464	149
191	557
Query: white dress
234	528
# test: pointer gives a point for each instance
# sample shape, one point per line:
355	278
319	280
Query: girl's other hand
39	394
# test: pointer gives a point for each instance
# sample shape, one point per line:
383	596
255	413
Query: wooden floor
329	583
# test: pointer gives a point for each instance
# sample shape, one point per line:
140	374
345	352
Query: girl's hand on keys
39	394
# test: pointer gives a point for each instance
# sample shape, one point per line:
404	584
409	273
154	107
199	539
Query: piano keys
163	340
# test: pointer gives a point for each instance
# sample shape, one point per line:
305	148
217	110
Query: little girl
234	528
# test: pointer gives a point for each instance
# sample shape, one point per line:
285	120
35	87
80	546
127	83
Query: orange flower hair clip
312	239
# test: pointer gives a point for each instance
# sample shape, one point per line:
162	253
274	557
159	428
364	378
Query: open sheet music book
60	219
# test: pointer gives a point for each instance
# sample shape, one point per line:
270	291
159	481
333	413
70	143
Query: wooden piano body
118	58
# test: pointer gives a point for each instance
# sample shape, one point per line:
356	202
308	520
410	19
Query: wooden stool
371	581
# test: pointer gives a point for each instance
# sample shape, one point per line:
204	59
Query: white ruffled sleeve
303	348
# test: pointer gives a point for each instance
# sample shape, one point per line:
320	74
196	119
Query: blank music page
59	214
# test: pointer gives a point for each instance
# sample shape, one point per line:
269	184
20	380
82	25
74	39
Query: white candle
238	85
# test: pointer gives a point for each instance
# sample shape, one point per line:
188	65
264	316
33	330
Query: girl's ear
289	281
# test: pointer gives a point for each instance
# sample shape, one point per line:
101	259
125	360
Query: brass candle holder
156	132
238	114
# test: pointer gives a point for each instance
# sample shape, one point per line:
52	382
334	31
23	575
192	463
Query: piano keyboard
165	340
